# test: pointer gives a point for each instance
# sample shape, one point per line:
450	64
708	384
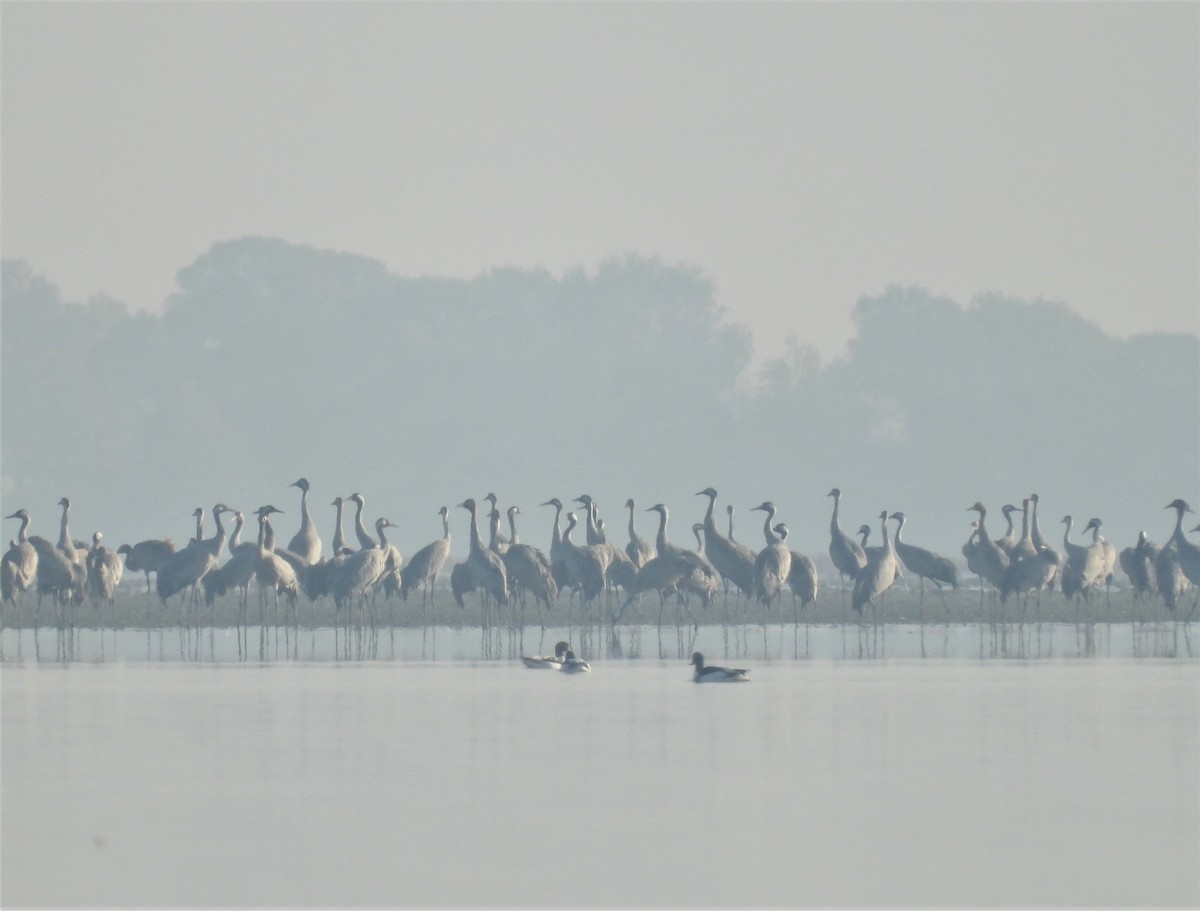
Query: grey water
463	780
733	641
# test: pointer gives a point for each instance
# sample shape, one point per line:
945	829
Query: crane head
1179	505
555	502
707	492
467	504
19	514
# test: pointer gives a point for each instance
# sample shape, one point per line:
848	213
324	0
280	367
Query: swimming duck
573	665
717	674
549	662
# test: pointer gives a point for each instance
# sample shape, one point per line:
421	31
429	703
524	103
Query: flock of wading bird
504	568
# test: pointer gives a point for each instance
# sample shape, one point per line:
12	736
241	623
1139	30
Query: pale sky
801	155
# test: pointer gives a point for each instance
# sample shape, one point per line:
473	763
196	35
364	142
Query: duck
573	665
549	662
717	674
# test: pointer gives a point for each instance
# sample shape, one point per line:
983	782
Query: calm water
467	782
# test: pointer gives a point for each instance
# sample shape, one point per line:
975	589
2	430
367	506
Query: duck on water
549	662
713	674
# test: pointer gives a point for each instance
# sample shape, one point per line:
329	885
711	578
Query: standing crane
18	566
187	567
992	560
104	569
423	567
485	564
802	578
925	563
1042	544
773	563
639	550
306	544
846	553
878	575
735	562
528	568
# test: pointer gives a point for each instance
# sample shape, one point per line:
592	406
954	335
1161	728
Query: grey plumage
104	570
306	543
735	562
147	556
991	558
423	567
18	566
1137	563
802	577
527	566
639	550
487	569
847	554
878	575
774	561
187	567
924	562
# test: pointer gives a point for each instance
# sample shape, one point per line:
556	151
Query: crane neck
512	527
594	535
270	535
768	533
21	536
365	541
476	541
1034	531
833	521
339	539
632	531
984	537
661	539
710	521
380	525
306	522
446	524
1176	535
235	539
264	544
66	545
199	525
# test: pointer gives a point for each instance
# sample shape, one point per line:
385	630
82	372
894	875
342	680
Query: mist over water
470	782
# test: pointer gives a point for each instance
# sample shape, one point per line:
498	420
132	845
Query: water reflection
758	641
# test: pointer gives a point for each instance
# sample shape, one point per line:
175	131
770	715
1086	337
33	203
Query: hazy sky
801	155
